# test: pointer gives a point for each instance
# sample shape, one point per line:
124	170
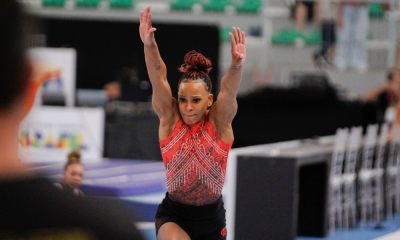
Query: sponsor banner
48	134
64	85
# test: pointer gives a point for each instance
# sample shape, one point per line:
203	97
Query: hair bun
196	62
74	157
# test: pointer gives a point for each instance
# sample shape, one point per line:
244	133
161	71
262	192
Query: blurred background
300	85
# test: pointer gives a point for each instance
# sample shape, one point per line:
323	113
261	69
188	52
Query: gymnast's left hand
238	49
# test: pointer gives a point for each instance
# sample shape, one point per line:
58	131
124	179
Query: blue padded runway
116	178
141	184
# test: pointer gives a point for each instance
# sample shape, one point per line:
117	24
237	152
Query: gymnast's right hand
146	30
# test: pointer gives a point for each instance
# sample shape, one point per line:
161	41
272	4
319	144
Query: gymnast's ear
210	99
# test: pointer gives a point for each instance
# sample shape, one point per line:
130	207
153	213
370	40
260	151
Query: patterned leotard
195	161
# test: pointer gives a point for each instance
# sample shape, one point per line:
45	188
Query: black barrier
131	131
282	114
283	196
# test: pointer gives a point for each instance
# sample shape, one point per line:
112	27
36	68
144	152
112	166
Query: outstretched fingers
232	39
238	40
148	21
235	33
144	16
149	26
234	45
239	35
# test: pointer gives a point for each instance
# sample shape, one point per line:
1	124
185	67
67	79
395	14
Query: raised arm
163	102
225	108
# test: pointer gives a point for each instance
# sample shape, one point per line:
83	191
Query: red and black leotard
195	160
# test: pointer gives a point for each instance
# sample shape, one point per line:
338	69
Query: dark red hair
196	67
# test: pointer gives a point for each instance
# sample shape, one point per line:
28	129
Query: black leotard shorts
199	222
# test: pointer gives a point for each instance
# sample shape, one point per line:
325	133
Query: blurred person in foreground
72	175
386	96
30	206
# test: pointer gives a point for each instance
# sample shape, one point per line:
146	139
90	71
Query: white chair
349	178
378	173
392	175
335	180
365	175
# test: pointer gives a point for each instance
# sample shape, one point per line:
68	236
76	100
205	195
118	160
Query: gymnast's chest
191	146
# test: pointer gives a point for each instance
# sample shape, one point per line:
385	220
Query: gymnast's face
73	175
193	99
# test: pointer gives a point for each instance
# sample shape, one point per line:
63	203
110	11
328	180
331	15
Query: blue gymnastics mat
114	178
140	184
361	233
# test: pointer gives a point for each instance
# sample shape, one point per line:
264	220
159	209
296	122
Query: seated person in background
73	175
132	89
305	10
387	95
128	88
30	206
113	90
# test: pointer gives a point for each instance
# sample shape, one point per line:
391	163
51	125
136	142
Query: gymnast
195	138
